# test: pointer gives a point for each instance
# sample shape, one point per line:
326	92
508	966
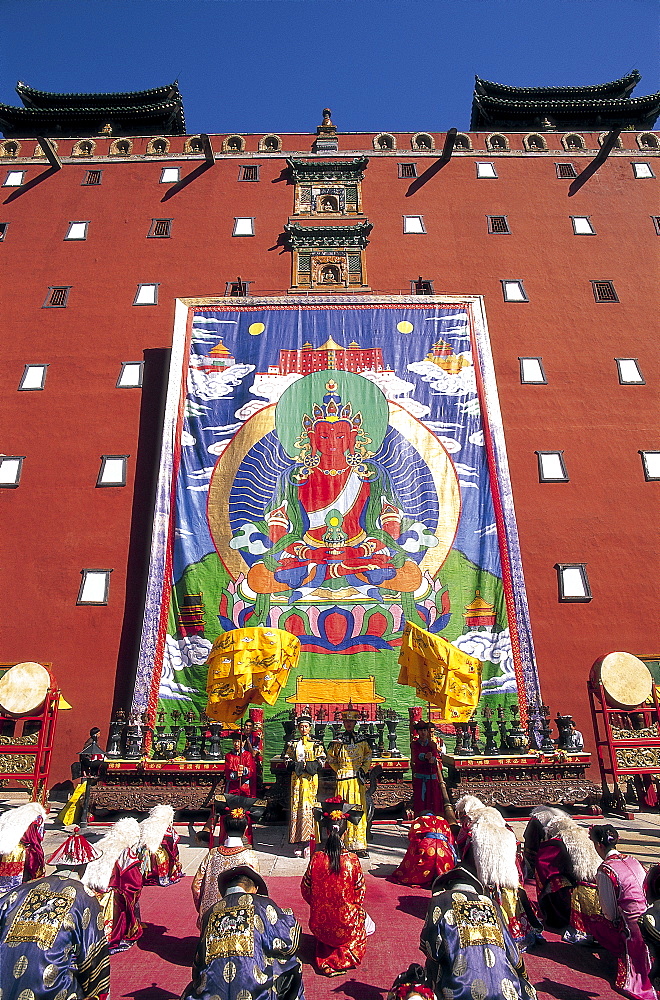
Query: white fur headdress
469	805
14	822
494	849
155	826
546	814
581	851
124	834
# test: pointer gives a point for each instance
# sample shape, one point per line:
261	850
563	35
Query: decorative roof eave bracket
299	237
313	170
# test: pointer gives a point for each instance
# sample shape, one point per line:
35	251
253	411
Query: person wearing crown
349	756
335	521
305	757
51	932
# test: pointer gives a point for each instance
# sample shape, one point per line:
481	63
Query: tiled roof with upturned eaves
130	98
159	110
565	108
615	88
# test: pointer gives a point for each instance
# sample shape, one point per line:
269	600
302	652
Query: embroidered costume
247	949
469	952
305	756
116	878
52	941
239	772
621	889
430	852
336	915
205	883
21	851
350	759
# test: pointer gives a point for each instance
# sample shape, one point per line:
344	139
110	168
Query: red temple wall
58	522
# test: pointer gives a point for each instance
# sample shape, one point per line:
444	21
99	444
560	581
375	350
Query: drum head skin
627	680
23	688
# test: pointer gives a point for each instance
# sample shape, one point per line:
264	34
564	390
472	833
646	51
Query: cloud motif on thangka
417	538
190	651
215	385
495	647
460	384
251	539
187	440
396	390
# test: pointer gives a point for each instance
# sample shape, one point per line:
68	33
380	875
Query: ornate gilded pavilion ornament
10	148
330	258
325	187
121	147
158	146
84	147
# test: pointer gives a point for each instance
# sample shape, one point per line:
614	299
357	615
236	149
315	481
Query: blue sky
272	65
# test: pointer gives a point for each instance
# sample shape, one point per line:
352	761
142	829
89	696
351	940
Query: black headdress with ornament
335	810
225	804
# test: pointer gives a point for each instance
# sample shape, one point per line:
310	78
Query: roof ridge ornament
326	135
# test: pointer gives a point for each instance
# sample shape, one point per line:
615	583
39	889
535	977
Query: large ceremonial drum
626	680
23	688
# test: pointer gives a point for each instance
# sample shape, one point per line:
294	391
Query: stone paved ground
639	837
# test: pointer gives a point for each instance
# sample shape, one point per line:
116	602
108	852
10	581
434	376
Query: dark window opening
565	171
57	297
498	224
249	173
161	227
604	291
407	170
3	230
237	289
421	286
656	223
93	177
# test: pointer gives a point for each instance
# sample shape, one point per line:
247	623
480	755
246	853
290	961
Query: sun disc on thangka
23	688
626	679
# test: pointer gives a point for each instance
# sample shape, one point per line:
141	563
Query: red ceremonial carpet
158	967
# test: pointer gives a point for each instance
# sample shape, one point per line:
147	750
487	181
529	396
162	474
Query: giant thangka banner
334	470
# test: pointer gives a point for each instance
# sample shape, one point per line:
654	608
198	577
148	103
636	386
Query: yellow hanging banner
442	674
248	666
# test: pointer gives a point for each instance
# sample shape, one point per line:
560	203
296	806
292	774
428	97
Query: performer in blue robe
51	934
469	951
247	949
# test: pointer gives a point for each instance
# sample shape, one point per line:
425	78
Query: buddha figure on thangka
335	526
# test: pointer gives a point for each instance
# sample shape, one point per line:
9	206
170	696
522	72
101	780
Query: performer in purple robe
116	878
51	933
21	851
469	952
159	849
620	882
248	945
649	923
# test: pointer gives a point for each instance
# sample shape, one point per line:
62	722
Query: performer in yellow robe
350	759
306	757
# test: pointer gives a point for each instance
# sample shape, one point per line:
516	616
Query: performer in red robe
21	851
239	768
430	852
159	848
426	759
333	885
116	878
240	776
